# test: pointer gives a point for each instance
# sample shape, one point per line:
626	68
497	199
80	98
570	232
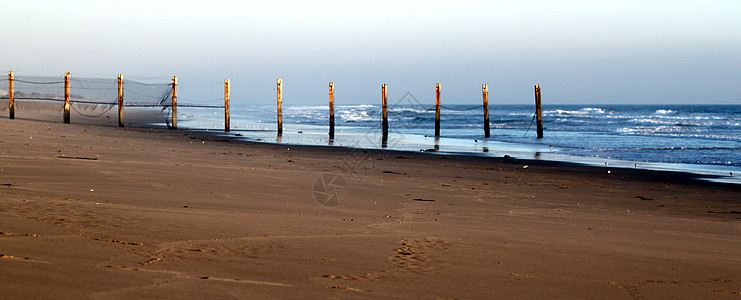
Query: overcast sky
601	52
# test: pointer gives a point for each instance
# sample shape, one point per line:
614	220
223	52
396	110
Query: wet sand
102	212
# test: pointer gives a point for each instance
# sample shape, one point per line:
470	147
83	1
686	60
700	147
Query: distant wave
583	111
665	112
567	112
354	117
358	106
670	148
670	131
594	110
302	108
655	121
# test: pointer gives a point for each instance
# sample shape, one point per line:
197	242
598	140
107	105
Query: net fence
92	100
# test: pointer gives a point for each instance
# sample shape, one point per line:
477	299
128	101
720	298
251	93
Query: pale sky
601	52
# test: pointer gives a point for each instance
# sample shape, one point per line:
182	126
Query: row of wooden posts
227	92
384	105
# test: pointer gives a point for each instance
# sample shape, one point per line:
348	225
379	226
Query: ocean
703	139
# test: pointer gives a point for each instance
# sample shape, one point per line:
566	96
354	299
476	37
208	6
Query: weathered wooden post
227	94
280	106
538	112
385	113
120	101
174	102
437	110
66	98
331	110
11	94
485	90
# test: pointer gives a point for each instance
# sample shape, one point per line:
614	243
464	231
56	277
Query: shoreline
103	212
360	137
698	175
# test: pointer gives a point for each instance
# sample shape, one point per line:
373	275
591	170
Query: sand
103	212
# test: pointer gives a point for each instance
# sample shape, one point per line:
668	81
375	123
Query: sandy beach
109	213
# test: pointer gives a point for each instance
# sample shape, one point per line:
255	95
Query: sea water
697	138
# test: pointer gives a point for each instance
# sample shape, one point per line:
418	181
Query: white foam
594	109
567	112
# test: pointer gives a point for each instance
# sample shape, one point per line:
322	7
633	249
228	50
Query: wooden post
437	110
384	105
331	110
538	112
280	106
11	94
485	90
227	95
174	102
66	98
120	101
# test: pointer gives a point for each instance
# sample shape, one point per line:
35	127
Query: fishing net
92	100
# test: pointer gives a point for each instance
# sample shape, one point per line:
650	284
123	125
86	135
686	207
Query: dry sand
101	212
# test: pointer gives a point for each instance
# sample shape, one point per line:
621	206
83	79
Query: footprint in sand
412	256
